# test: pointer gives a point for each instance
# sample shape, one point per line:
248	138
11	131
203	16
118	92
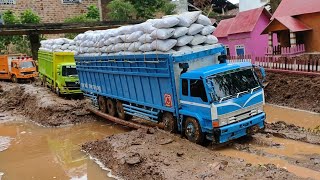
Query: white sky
234	1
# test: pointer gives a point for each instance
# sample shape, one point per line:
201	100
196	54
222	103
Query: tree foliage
274	5
139	9
29	17
93	13
121	10
19	44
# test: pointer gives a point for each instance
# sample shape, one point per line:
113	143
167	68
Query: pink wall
255	44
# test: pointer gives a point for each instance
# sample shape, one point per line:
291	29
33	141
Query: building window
7	2
240	50
70	1
227	50
197	90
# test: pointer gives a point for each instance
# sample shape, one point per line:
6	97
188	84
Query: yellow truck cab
17	67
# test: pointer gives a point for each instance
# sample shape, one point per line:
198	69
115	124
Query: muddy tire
58	91
14	79
169	122
193	131
102	102
121	113
111	106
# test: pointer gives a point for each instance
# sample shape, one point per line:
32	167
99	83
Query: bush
93	13
121	10
29	17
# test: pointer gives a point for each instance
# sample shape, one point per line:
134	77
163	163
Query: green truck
57	70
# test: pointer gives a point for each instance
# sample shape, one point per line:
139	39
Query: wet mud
158	155
297	91
42	106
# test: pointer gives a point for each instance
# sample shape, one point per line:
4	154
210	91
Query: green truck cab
57	70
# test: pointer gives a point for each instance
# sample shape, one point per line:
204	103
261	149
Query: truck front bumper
239	129
66	91
27	76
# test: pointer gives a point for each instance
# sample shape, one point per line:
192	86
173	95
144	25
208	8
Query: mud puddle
292	116
35	152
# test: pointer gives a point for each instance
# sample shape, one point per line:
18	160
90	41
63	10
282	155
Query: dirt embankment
155	154
41	105
297	91
291	131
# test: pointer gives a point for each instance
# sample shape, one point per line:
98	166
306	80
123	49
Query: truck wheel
111	107
193	131
102	104
14	79
170	124
58	91
121	113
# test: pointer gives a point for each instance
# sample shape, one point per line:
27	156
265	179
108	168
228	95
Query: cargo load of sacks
58	45
190	31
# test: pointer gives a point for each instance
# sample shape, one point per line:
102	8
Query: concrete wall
50	11
181	5
245	5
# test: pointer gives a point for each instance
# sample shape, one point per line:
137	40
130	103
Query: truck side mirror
222	58
262	72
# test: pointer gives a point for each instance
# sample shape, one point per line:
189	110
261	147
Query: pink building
241	35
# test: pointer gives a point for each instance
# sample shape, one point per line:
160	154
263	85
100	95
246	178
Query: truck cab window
197	90
185	87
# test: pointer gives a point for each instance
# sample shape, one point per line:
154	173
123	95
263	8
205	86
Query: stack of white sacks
58	45
186	32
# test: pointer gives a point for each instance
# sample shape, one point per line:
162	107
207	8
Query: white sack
184	49
167	22
145	47
195	29
180	31
207	30
204	20
211	39
198	39
148	27
162	33
163	45
115	40
110	49
134	46
184	40
146	38
134	36
65	46
188	18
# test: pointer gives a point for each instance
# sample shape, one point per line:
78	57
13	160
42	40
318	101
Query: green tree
121	10
274	5
93	13
168	8
146	9
29	17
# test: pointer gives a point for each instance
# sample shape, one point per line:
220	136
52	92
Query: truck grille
73	85
240	115
26	73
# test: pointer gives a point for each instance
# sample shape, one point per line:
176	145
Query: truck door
194	98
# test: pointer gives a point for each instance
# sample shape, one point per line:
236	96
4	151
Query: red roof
296	7
244	22
223	27
293	24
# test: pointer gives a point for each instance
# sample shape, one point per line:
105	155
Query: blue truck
197	94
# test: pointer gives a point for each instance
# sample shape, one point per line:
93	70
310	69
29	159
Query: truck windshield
26	65
233	84
69	71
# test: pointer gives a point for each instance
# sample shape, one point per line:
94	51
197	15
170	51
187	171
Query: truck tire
193	131
111	107
58	91
14	79
102	104
169	122
121	113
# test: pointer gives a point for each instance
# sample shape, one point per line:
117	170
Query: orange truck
17	67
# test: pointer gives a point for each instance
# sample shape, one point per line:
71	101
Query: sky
234	1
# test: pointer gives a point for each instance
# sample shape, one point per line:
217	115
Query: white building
245	5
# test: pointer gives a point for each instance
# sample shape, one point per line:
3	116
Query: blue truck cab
197	94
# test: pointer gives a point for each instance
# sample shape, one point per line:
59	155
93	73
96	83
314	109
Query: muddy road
36	127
